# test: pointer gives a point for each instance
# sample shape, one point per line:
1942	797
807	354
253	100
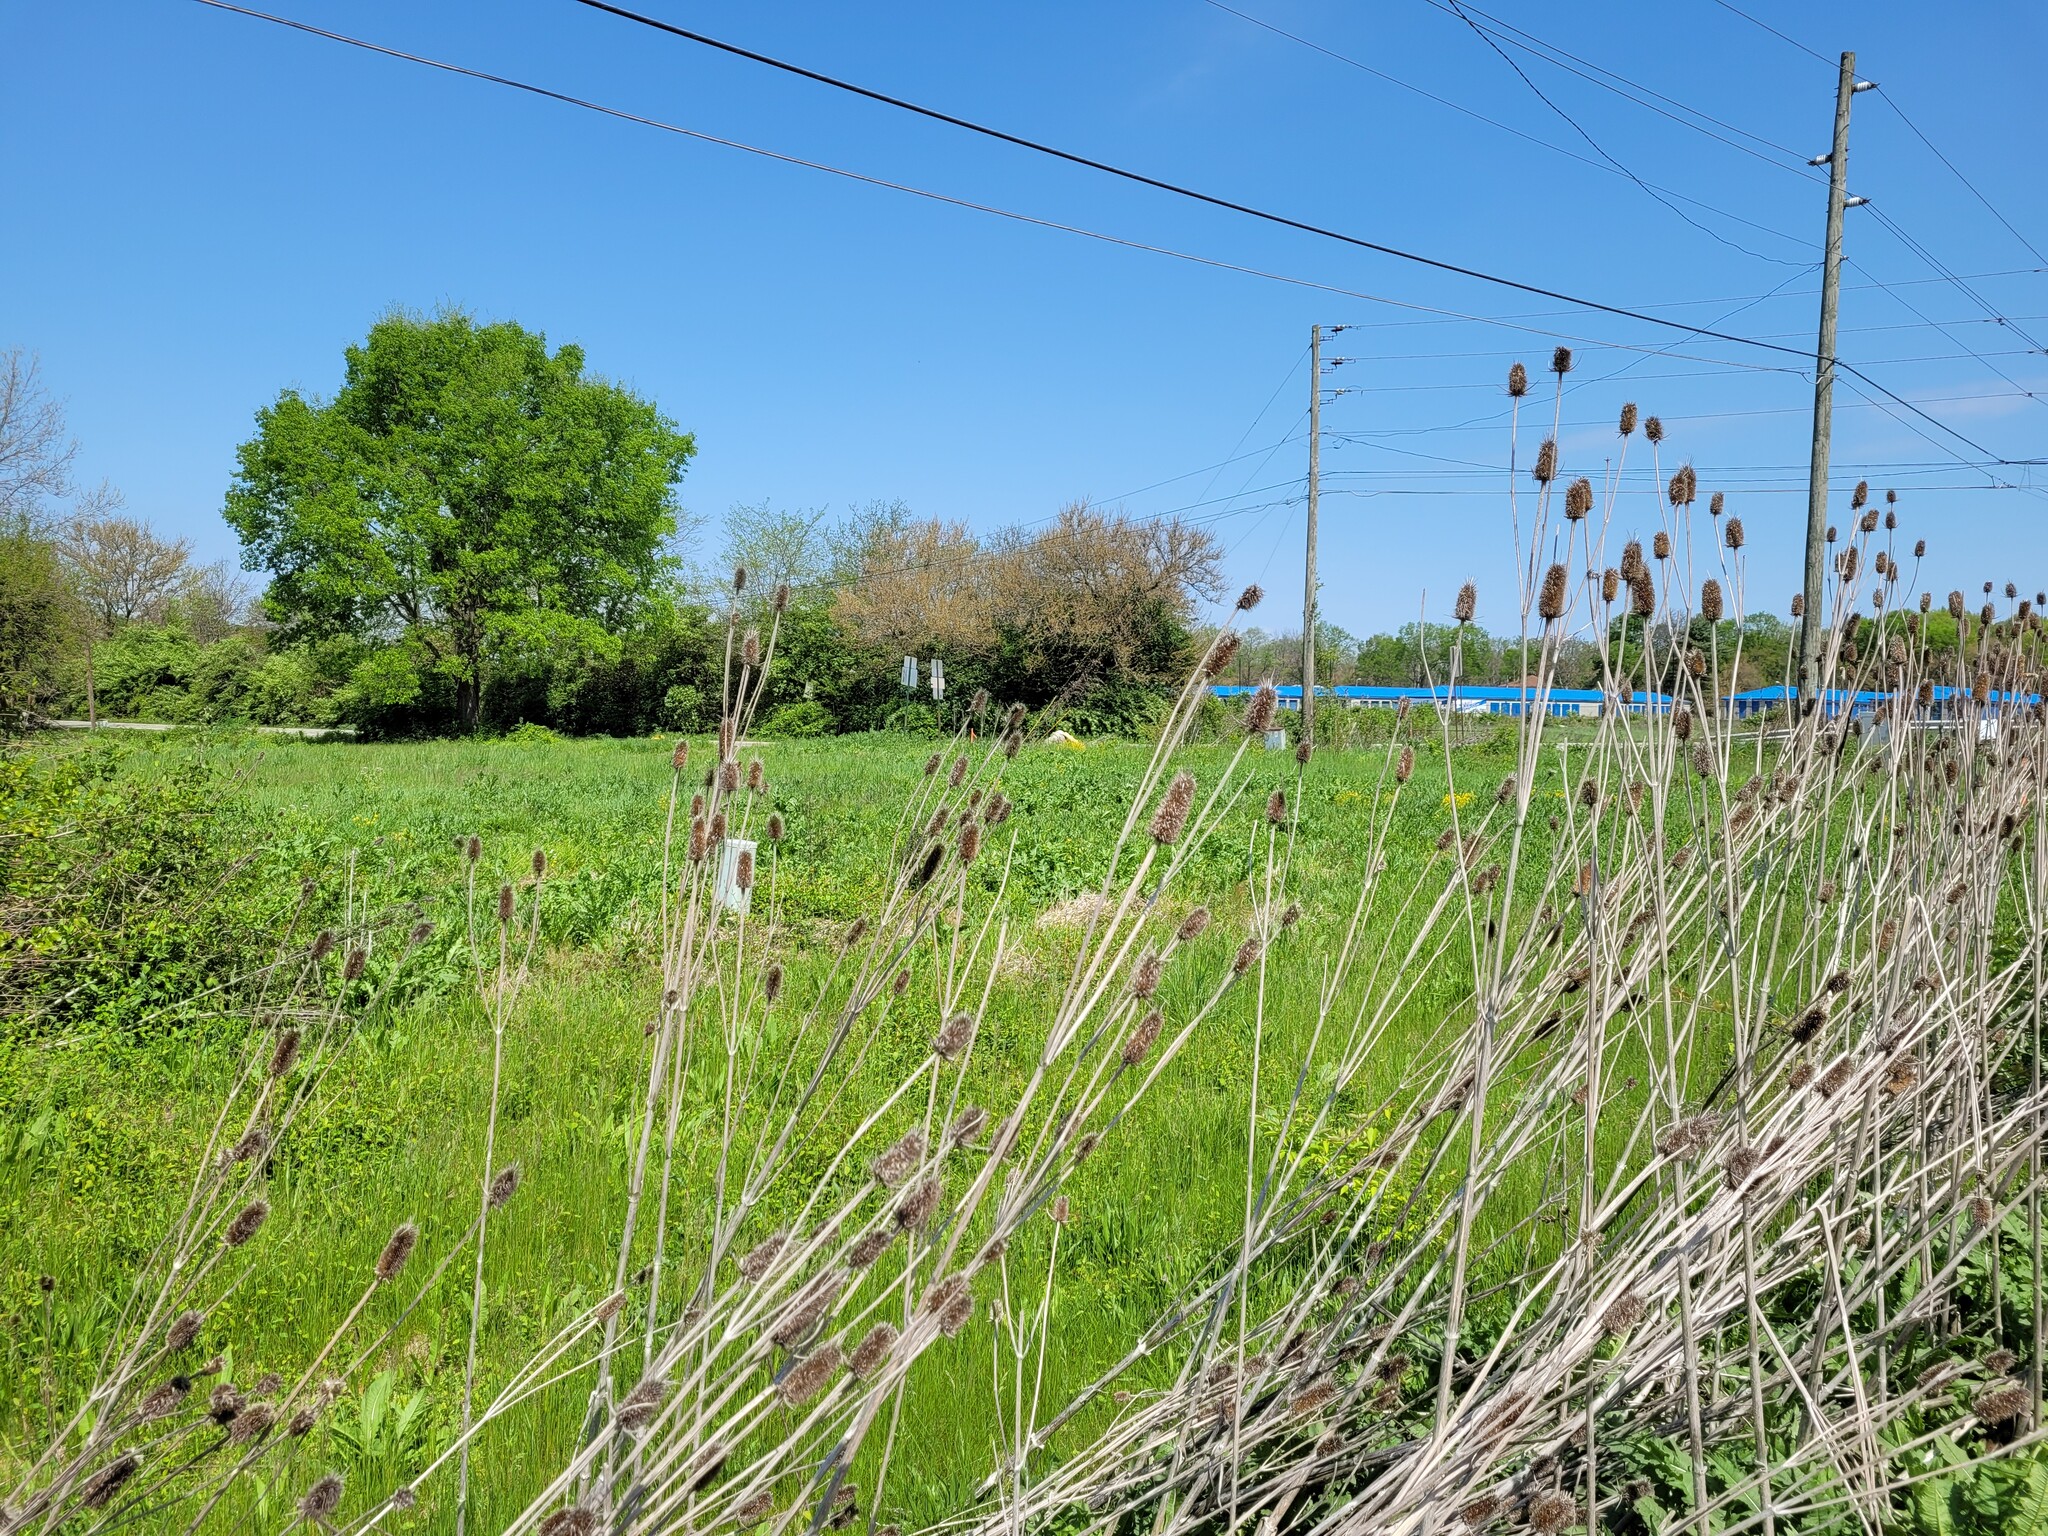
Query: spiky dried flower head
1628	419
1733	534
1955	606
956	773
504	1185
1623	1313
919	1203
1653	429
1246	957
1404	766
1518	381
397	1249
247	1223
1258	715
1146	973
1832	533
1291	914
873	1351
1578	499
1710	600
1999	1361
1171	818
1192	925
680	757
642	1405
1642	594
1550	601
2001	1401
578	1520
1703	760
1250	598
954	1037
1276	807
322	1499
1545	469
898	1160
1221	650
162	1400
1631	559
808	1308
1552	1513
505	903
1798	605
1589	793
252	1423
969	841
1868	523
759	1259
1467	604
98	1489
966	1126
1561	361
1143	1036
1660	545
1986	615
1979	1210
1610	584
183	1330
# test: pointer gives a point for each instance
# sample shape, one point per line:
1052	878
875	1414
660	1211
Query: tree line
476	532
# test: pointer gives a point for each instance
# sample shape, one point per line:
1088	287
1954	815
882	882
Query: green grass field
98	1132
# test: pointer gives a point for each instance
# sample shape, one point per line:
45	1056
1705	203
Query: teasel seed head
1561	361
98	1489
252	1423
504	1186
1610	584
1653	429
1832	533
899	1160
1710	600
1622	1314
1276	807
1955	606
1550	601
919	1203
969	841
1578	499
1258	715
680	757
1642	593
1467	604
183	1330
760	1258
1192	925
1552	1513
397	1249
1250	598
1012	745
1146	973
1518	381
1221	650
1859	496
1798	605
247	1223
873	1351
1703	760
1304	749
1143	1036
1999	1361
2001	1401
322	1499
1869	522
1980	1211
1660	545
1628	419
1631	559
1247	956
1172	816
954	1037
1987	615
1404	765
1545	469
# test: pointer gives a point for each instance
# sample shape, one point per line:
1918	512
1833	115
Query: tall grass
1637	1159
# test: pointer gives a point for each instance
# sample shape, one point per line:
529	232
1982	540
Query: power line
1573	123
1607	165
1620	85
1781	37
1956	171
1137	177
1142	179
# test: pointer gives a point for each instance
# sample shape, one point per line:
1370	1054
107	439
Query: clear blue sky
205	209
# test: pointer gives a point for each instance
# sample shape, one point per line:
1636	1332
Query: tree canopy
467	496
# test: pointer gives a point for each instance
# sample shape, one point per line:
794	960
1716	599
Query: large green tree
466	496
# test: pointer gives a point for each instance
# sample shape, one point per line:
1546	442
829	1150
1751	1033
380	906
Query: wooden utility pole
1308	586
1812	619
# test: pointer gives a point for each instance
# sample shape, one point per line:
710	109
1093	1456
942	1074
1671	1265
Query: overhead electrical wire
1609	166
1228	204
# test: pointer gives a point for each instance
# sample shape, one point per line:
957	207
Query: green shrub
800	718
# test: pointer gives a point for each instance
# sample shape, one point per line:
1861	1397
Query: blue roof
1469	691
